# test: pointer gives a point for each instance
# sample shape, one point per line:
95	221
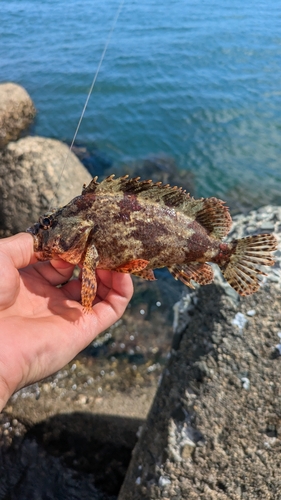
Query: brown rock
32	180
16	112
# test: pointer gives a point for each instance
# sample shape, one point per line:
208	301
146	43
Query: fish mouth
37	237
34	230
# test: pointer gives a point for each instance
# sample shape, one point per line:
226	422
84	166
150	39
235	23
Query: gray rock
214	426
32	180
267	226
16	112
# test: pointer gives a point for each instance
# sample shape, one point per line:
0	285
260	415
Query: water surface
198	81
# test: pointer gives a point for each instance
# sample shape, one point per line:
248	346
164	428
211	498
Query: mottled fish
134	226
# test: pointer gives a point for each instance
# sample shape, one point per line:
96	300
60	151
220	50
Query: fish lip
34	230
37	237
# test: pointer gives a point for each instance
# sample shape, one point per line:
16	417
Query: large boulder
16	112
214	429
36	173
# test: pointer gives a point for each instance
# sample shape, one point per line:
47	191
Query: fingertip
19	248
120	282
124	284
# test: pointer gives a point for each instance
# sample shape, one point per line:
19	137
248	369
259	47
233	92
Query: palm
42	327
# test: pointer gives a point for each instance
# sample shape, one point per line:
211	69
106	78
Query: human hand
43	327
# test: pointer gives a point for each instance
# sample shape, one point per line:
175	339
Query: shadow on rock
68	456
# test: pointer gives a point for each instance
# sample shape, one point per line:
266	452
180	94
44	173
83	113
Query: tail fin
247	254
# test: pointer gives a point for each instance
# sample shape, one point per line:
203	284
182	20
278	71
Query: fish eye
45	222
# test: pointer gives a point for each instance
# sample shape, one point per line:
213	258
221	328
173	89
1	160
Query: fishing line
92	85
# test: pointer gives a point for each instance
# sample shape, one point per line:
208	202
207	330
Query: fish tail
241	266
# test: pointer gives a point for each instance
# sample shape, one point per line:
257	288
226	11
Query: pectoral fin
132	267
146	274
196	271
89	279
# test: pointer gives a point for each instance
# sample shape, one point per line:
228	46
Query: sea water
197	81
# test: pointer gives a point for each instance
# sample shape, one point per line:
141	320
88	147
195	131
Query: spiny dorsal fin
91	187
170	196
210	212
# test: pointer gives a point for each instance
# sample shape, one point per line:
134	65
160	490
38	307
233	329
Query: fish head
44	231
59	233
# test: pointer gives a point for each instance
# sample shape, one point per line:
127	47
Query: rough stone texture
16	112
214	430
32	180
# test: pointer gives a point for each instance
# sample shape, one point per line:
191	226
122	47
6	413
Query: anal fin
199	272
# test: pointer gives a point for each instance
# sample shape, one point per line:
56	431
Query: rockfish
132	226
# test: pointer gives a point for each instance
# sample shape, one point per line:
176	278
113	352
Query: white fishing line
93	84
97	71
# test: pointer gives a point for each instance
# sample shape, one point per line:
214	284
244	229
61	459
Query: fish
134	226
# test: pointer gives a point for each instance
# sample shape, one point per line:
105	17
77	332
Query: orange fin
214	217
134	266
246	255
89	279
146	274
196	271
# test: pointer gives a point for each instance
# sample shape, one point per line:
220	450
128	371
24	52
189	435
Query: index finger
19	248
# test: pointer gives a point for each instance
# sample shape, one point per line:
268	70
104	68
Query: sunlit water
198	81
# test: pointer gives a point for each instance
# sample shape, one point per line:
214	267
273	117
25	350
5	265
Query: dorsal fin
214	217
211	213
91	187
170	196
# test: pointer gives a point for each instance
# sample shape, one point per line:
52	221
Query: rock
70	456
208	434
32	180
16	112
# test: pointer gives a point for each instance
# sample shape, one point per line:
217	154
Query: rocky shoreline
213	426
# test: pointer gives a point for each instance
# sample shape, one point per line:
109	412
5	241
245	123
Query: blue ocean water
197	80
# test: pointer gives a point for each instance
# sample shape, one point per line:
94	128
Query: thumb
16	252
19	249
